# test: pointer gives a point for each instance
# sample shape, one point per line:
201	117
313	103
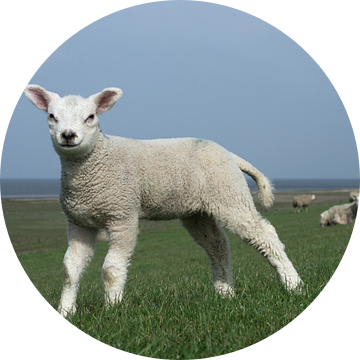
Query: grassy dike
169	309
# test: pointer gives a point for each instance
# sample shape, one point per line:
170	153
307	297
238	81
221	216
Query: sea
37	188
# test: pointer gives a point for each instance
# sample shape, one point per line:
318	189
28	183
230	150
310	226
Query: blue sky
192	69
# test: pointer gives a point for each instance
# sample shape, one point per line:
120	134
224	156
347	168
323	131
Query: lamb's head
73	120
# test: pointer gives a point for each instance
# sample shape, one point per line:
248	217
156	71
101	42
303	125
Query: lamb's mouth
68	146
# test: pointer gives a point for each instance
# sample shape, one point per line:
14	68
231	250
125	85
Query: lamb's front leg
80	249
122	243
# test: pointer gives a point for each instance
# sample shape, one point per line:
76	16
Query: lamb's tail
265	186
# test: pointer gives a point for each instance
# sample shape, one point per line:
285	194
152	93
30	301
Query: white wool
108	183
340	214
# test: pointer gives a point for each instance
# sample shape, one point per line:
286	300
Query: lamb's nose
68	135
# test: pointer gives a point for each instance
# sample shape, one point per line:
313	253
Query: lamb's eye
90	118
52	117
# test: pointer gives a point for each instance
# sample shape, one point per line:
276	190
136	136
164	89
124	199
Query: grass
170	309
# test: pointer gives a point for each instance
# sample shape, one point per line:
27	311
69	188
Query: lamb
108	183
302	201
339	214
353	195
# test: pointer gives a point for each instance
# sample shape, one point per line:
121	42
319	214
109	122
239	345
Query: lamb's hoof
295	287
63	312
292	283
225	290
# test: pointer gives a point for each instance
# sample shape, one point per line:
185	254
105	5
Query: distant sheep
340	214
108	183
353	195
302	201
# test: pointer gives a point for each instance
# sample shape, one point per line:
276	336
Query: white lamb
340	214
110	182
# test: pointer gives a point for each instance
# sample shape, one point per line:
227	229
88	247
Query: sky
194	69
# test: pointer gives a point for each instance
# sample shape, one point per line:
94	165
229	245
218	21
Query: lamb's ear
106	99
39	96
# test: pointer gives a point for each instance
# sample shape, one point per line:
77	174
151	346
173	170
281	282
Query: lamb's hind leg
80	249
214	241
261	235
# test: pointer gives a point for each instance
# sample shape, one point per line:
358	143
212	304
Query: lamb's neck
73	166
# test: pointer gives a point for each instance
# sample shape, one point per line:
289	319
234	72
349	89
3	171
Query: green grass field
170	309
